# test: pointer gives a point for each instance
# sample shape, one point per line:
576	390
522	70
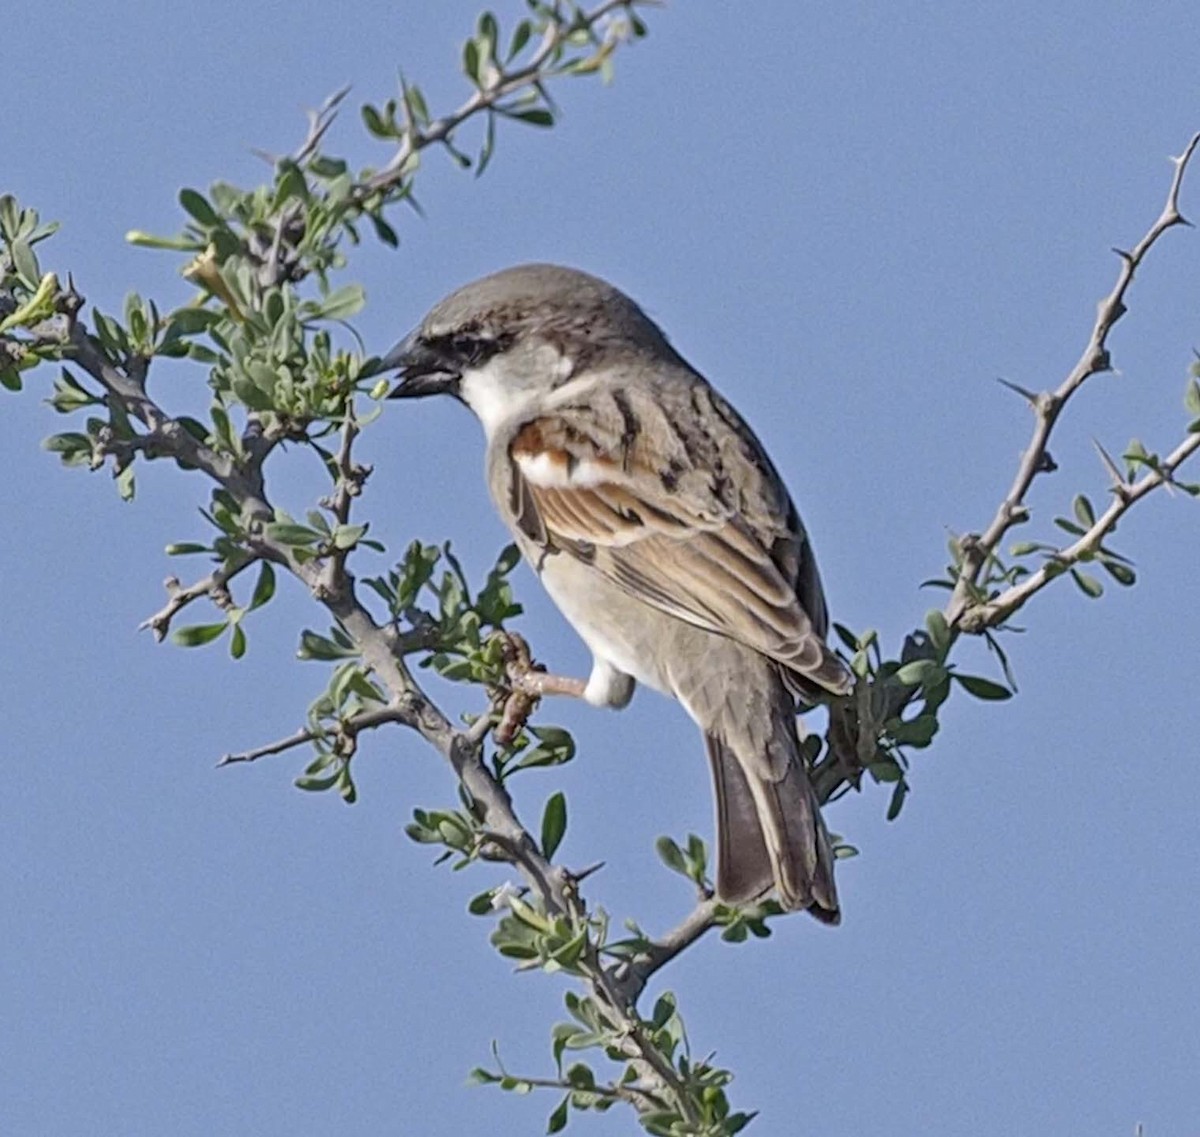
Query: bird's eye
468	348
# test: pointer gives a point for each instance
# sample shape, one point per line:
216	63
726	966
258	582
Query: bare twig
215	585
349	729
978	549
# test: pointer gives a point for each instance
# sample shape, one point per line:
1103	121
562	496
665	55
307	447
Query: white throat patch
495	396
490	394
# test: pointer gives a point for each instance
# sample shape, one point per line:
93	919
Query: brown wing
658	525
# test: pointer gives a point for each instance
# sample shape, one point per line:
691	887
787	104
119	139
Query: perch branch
632	975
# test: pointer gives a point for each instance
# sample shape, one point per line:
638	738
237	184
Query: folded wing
676	534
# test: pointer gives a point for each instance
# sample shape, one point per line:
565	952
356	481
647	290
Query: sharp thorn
1114	471
1025	394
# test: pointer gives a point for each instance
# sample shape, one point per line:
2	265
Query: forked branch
970	611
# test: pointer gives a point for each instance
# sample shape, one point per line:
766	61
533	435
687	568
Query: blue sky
852	219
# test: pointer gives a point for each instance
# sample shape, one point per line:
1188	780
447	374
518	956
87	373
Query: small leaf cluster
533	747
457	830
318	539
27	295
508	72
1083	523
696	1105
196	635
332	718
690	861
896	703
454	626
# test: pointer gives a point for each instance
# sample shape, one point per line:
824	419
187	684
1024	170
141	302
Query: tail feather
743	864
770	833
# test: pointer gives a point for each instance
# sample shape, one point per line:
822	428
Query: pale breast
618	630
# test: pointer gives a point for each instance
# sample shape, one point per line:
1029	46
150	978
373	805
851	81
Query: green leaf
150	241
520	38
554	738
191	321
288	533
915	732
1191	397
481	903
385	233
316	785
1088	584
897	802
194	635
1122	574
313	646
290	183
126	486
342	303
535	116
939	630
237	642
25	263
265	588
980	687
183	548
197	205
671	855
470	61
581	1077
1084	512
67	442
554	824
558	1119
374	123
918	673
347	536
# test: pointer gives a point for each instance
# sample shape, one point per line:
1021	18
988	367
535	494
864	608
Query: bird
657	523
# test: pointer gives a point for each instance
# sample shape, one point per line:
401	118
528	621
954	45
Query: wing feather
662	529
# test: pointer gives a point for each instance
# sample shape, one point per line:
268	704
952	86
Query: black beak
423	371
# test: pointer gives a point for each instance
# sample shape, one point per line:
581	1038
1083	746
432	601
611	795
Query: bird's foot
531	678
528	681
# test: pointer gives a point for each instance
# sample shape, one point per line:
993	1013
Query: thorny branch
346	733
996	611
967	609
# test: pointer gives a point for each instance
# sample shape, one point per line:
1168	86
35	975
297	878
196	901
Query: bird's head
510	340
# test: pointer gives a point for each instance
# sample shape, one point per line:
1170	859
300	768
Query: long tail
770	831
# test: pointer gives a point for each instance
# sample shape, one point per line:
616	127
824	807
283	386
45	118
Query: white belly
616	628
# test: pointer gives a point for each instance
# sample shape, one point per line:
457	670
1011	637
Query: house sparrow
660	528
